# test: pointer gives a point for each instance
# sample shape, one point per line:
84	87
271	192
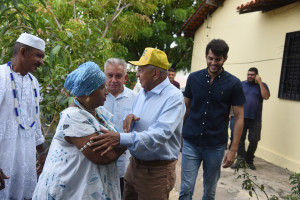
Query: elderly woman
72	169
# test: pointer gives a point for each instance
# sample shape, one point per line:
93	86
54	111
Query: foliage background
77	31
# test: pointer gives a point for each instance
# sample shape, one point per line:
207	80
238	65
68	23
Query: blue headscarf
84	80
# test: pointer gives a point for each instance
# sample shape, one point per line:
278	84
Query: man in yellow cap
153	131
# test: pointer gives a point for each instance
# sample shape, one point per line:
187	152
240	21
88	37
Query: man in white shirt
119	102
20	127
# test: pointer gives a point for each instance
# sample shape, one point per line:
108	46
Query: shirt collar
125	93
160	87
222	74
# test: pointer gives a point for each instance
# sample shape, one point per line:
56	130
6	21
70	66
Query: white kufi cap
32	41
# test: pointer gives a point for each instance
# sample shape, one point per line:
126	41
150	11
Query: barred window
289	87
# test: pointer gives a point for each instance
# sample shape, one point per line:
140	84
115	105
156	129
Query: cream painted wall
257	40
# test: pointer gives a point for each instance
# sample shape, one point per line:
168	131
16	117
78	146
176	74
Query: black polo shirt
207	121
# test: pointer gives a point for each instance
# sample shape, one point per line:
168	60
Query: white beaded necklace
99	117
17	108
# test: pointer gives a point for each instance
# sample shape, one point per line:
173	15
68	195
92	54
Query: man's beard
216	72
249	81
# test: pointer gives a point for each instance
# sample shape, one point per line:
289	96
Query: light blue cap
84	80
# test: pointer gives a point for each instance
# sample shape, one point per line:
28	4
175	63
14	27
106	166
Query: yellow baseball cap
154	57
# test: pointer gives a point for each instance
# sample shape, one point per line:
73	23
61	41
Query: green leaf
32	21
87	42
69	34
64	58
15	2
53	54
43	3
250	193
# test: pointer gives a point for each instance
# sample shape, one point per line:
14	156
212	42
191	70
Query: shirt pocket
125	112
222	95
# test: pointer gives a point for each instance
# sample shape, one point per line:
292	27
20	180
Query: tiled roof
262	5
206	8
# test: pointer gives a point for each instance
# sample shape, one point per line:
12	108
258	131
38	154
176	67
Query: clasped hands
110	139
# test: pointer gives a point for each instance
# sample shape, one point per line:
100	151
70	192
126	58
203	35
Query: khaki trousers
149	180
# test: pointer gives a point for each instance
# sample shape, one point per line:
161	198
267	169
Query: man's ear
226	58
156	74
22	51
126	78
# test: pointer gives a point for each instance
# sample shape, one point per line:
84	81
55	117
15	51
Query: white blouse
67	173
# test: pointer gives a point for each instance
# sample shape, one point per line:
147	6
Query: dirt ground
274	178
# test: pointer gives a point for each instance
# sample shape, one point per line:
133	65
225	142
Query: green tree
161	33
75	31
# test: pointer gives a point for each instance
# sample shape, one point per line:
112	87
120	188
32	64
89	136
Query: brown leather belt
153	162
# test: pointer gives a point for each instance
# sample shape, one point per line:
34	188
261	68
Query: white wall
257	40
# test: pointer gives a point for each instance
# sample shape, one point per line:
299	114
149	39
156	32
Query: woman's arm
93	156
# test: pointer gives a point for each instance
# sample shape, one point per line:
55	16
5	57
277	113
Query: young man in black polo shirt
209	93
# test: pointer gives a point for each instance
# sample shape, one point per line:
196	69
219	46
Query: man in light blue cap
20	133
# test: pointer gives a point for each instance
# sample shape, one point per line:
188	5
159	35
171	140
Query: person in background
137	86
171	75
152	131
231	125
118	102
72	169
208	95
255	91
20	133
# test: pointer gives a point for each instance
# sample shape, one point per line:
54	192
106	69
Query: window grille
289	87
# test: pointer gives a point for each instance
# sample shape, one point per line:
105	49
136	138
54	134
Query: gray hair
18	46
116	61
163	72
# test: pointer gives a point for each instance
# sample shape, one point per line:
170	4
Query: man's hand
265	93
41	162
258	79
107	141
2	177
131	118
228	159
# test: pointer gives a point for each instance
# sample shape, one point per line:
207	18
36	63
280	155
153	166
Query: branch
18	27
74	9
114	17
55	19
48	129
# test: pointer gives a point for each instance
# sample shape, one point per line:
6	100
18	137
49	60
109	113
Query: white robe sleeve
39	137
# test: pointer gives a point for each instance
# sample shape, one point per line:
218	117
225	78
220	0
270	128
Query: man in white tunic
119	102
20	127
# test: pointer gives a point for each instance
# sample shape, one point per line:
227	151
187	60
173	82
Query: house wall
257	40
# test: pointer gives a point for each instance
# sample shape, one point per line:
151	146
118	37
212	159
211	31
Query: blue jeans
192	156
